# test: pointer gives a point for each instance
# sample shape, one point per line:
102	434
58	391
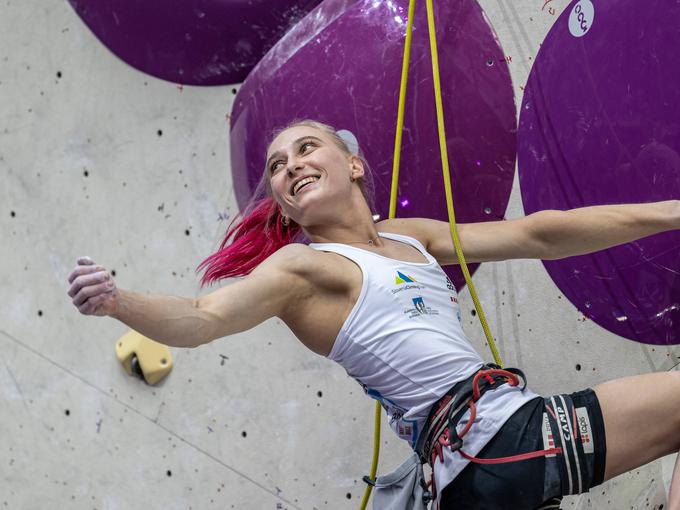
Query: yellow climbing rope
449	199
392	214
447	184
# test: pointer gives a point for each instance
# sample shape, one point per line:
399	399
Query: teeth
303	182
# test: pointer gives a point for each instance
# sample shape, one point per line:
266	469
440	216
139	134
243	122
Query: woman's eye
303	149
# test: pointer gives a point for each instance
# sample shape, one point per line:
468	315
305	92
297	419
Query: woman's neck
356	234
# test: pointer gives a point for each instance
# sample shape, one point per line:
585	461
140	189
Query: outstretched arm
589	229
546	235
184	322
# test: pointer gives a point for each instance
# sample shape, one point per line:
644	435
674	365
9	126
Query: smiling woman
374	299
260	229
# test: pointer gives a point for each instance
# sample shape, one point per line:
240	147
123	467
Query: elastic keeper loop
368	481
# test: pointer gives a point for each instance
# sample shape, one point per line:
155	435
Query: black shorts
573	422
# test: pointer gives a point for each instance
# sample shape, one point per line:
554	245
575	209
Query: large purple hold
193	42
342	65
600	124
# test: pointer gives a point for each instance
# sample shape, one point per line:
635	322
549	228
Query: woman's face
301	154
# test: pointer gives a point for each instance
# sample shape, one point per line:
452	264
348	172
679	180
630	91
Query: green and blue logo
402	278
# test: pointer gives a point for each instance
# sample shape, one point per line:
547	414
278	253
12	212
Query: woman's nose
294	166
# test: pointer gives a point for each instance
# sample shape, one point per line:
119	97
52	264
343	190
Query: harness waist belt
448	411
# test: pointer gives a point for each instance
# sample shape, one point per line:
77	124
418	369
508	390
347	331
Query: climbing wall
98	158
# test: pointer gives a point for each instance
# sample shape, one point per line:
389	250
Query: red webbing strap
513	458
512	379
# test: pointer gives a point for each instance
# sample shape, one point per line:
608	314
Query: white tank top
404	343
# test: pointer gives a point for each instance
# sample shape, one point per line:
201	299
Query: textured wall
98	159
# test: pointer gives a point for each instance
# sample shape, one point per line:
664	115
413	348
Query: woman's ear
357	167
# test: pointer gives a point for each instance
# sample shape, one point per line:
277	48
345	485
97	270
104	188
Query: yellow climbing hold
143	357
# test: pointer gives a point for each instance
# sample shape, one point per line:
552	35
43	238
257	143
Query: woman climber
373	297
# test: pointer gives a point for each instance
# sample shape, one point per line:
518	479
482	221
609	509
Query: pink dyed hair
259	231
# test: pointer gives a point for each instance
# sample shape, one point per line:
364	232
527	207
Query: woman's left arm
546	235
589	229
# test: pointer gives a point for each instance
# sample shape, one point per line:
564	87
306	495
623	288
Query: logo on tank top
454	297
402	278
405	282
420	308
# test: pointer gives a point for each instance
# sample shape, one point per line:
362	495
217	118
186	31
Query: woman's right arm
184	322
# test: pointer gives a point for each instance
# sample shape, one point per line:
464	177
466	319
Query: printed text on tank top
334	288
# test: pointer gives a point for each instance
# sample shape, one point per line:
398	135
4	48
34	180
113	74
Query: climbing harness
440	427
445	414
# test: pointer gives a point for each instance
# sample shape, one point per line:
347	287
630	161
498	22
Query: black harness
448	411
440	429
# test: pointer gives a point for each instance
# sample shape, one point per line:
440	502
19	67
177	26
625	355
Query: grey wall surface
98	159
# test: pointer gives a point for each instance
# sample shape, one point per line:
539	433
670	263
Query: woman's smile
307	187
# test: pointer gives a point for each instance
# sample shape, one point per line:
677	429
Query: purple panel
342	65
600	124
193	42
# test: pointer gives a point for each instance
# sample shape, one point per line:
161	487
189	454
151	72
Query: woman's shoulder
314	268
293	254
297	258
411	227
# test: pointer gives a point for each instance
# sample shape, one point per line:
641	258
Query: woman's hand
92	288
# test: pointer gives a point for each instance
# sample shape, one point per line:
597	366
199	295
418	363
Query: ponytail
255	237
